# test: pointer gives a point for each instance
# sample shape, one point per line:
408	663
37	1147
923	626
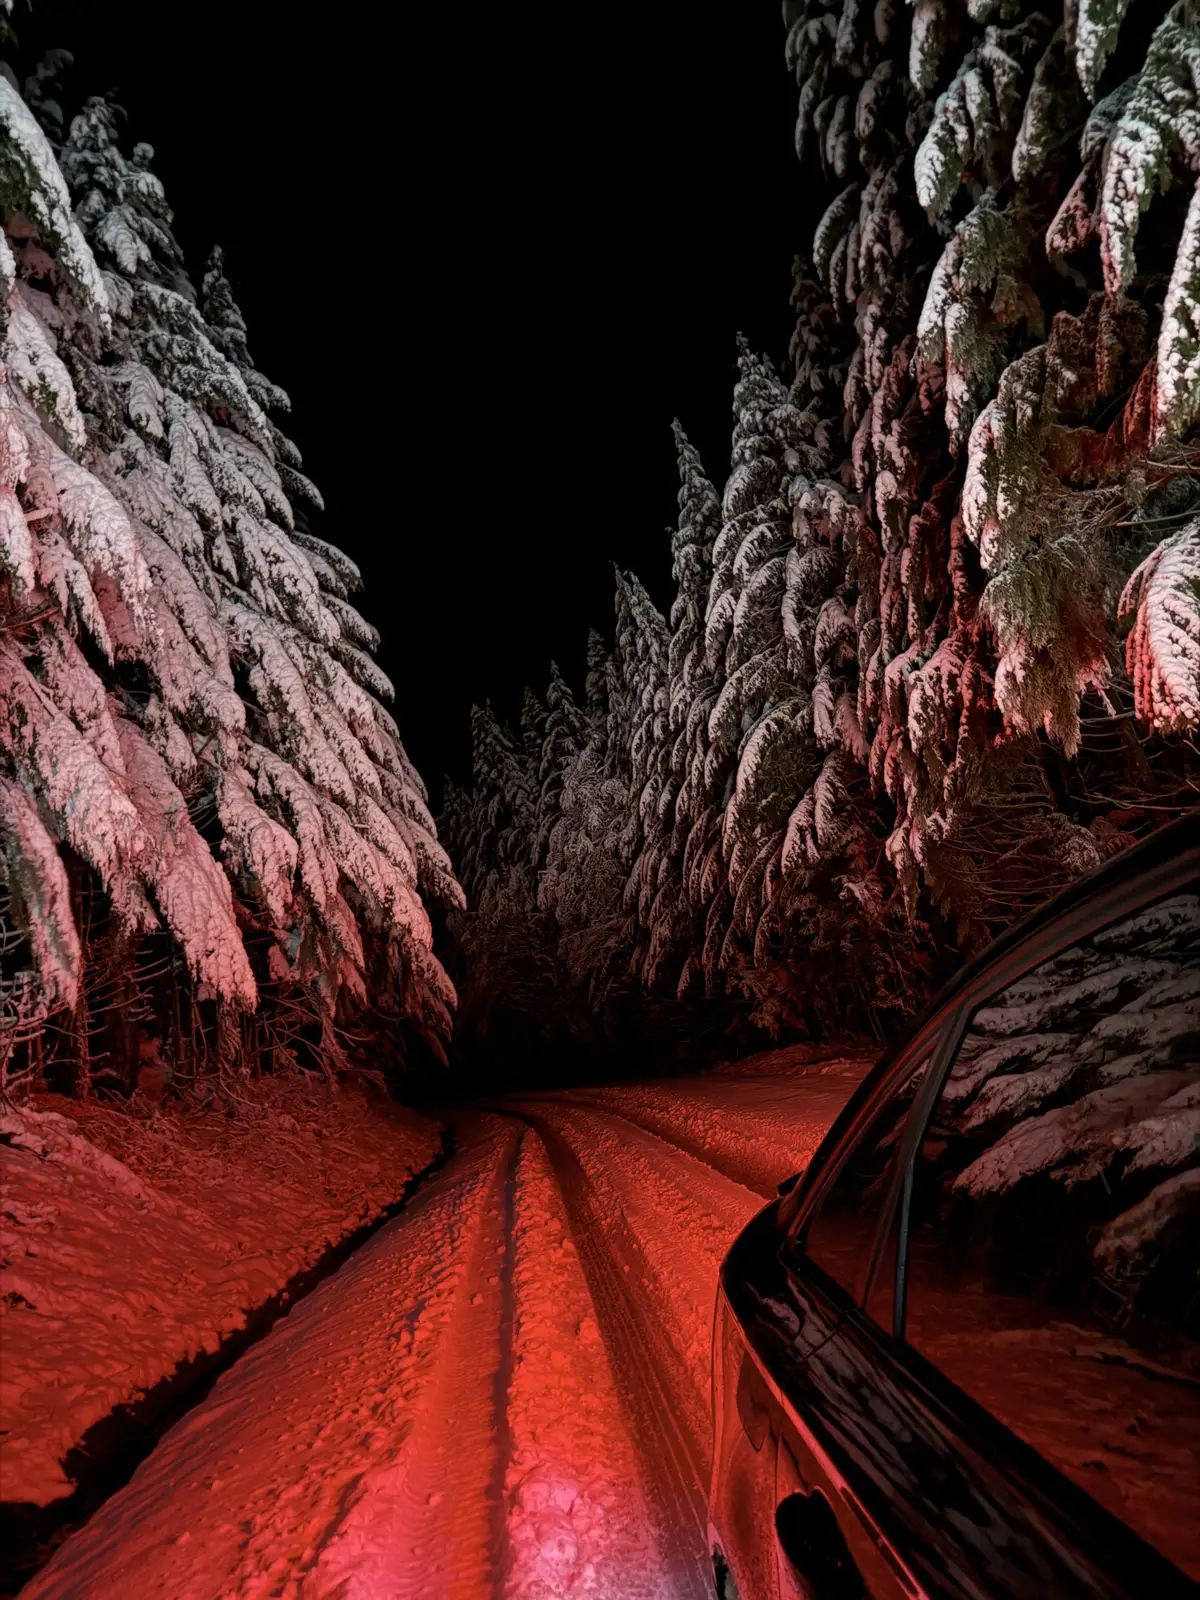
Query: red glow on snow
451	1414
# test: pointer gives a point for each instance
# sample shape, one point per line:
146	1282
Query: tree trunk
81	1053
123	1036
1137	767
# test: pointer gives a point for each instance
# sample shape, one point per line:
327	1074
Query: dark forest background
910	671
489	276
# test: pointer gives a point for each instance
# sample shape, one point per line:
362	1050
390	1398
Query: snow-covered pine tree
492	827
666	920
563	737
744	587
188	688
950	649
775	641
538	834
582	885
1017	181
643	642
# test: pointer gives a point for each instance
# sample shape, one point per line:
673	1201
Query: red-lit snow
504	1392
128	1245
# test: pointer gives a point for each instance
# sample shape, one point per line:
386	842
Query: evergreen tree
563	737
1000	573
936	647
190	698
583	884
664	913
642	647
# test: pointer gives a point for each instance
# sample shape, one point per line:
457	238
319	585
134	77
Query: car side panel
967	1509
951	1502
746	1409
806	1470
745	1441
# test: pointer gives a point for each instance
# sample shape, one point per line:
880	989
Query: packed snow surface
504	1392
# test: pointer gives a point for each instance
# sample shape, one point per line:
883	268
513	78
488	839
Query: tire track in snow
681	1216
433	1524
440	1422
579	1522
503	1378
754	1131
654	1385
748	1175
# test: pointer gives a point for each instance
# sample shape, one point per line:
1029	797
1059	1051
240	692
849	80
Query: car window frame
925	1044
1051	931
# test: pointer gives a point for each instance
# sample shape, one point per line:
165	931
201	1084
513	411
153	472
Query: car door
894	1478
778	1322
828	1544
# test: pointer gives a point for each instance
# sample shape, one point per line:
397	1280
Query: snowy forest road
503	1393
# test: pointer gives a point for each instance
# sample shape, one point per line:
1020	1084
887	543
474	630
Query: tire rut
502	1381
652	1379
457	1450
719	1162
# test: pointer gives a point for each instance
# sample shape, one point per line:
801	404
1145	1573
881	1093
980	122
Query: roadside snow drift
127	1245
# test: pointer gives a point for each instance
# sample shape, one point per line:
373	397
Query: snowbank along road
504	1393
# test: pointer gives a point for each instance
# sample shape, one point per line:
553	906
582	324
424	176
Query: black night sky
490	260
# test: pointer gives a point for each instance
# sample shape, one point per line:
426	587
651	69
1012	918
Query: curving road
504	1393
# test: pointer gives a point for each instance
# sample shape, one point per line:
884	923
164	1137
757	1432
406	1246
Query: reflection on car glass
1056	1218
1072	1069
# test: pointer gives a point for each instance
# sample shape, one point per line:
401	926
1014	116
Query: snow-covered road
504	1393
